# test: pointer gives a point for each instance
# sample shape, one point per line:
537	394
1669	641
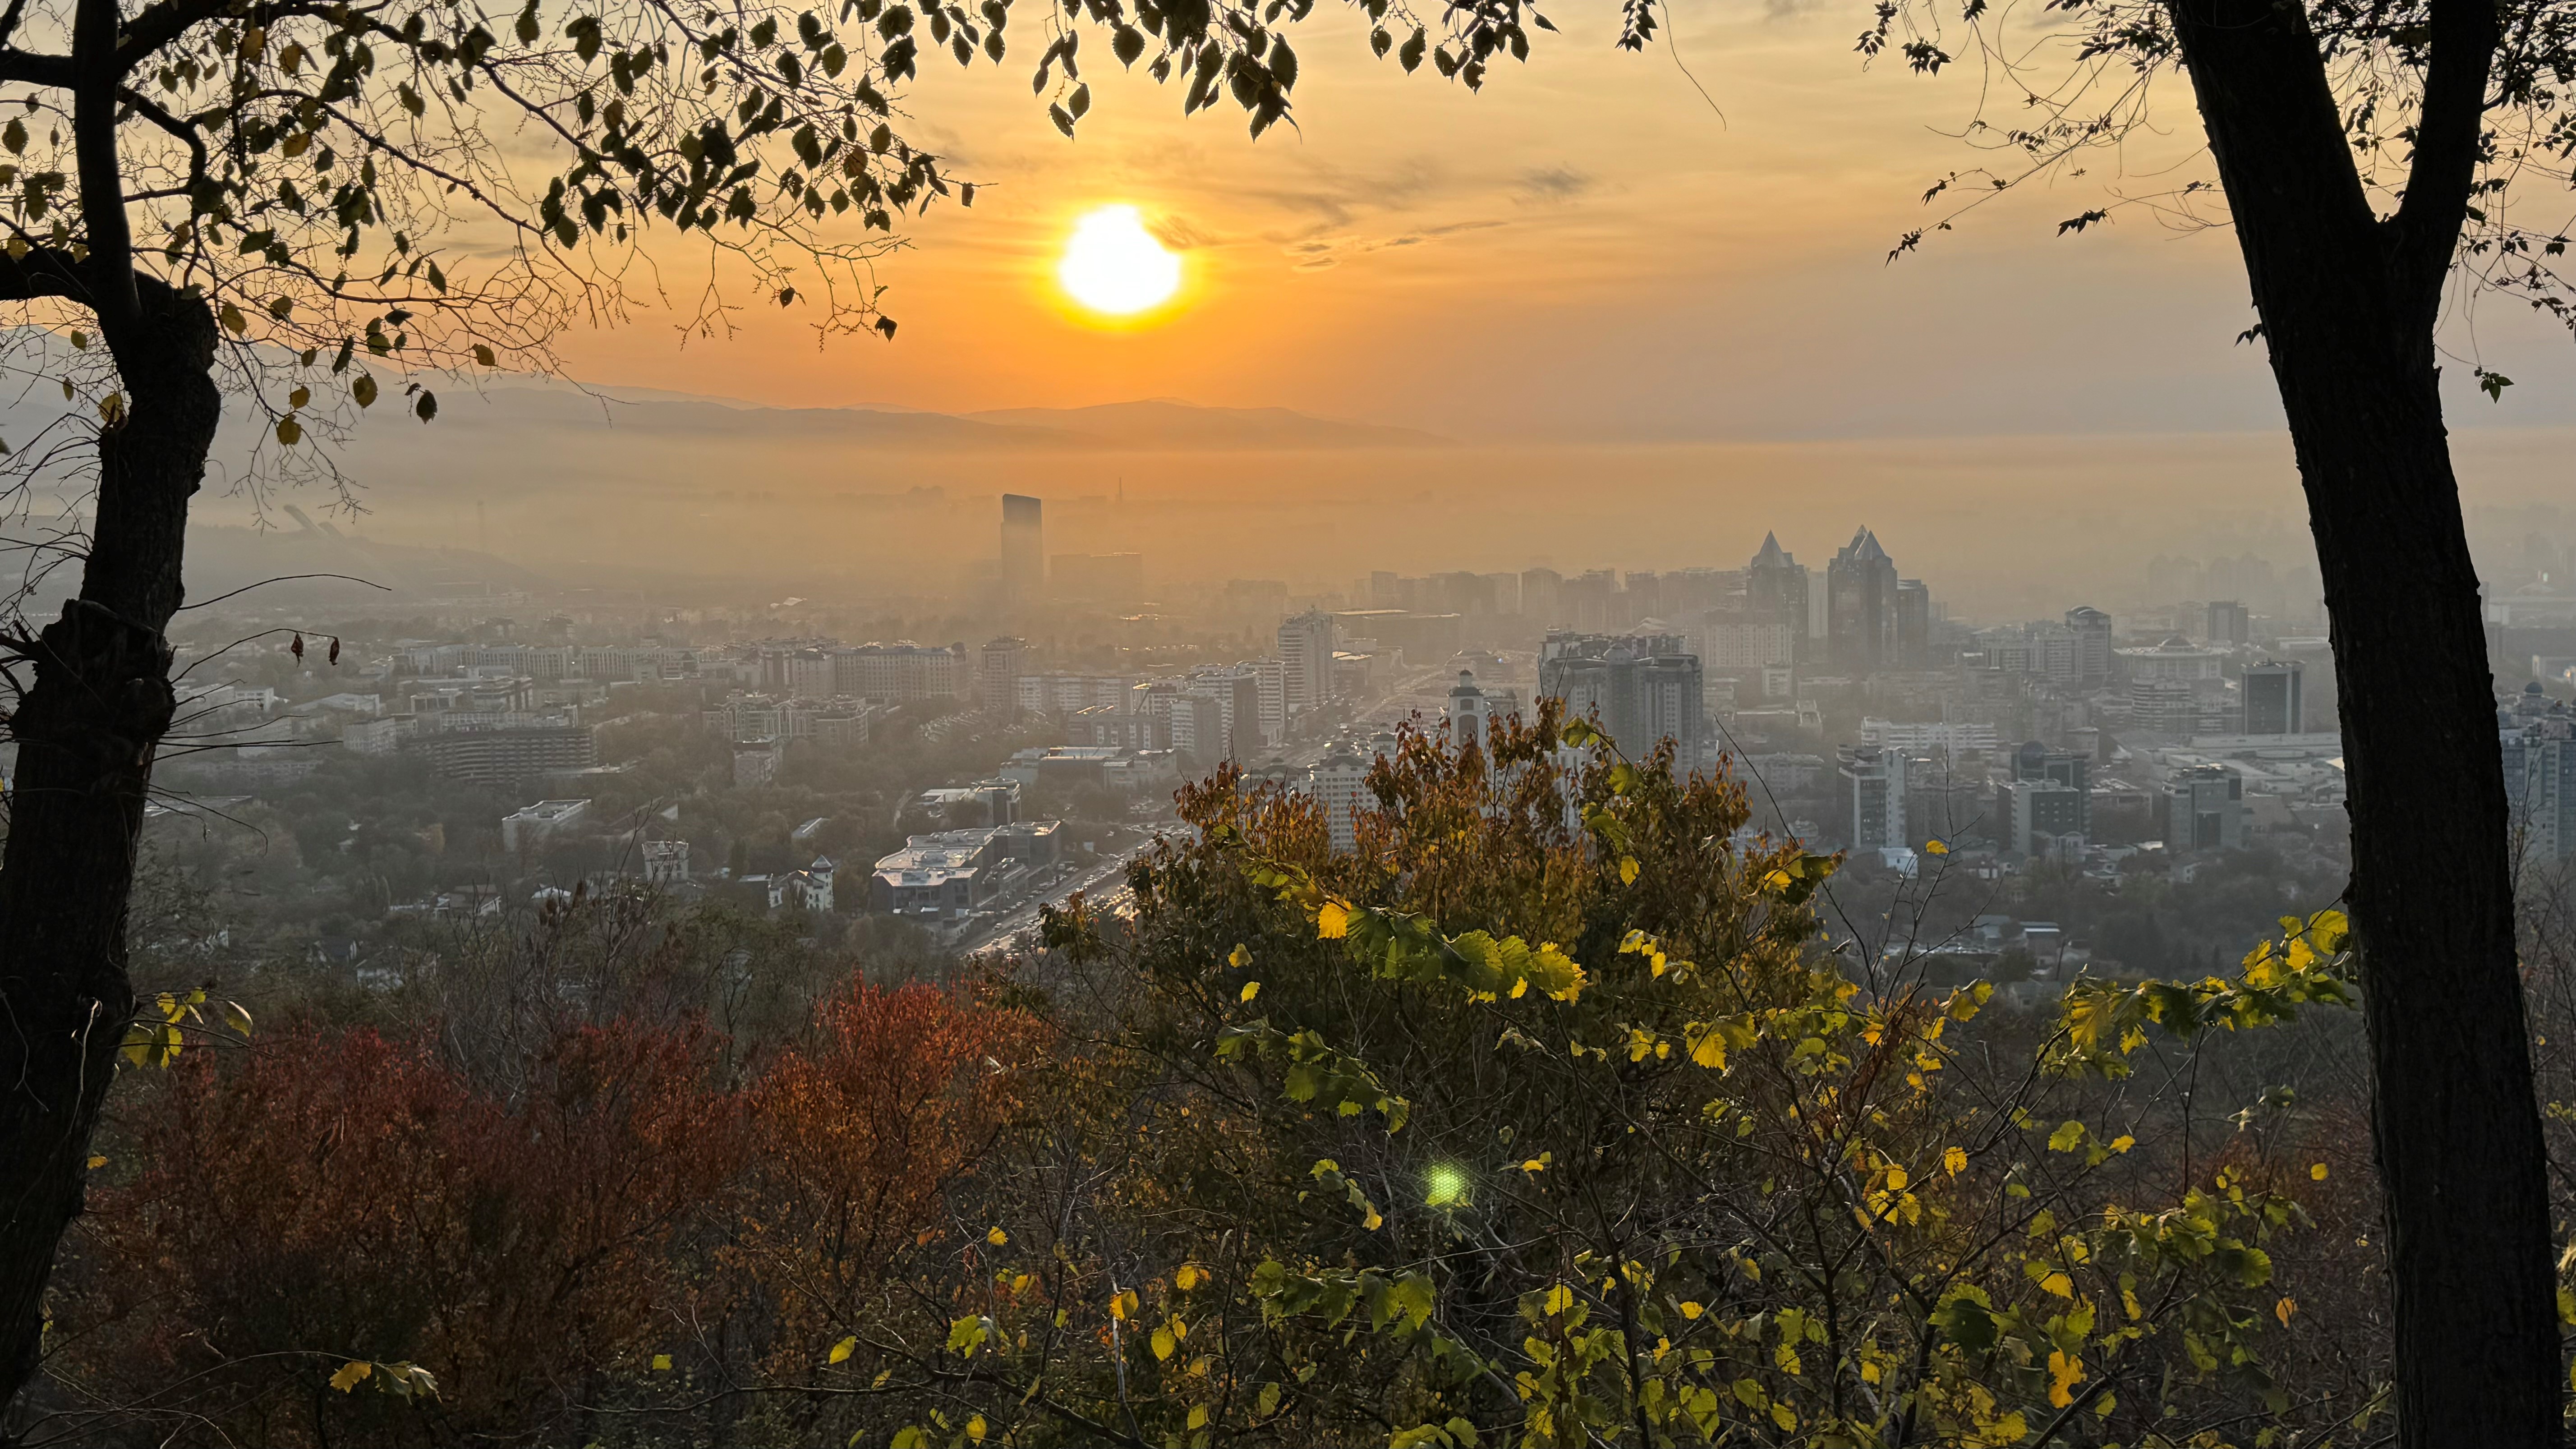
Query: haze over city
1223	723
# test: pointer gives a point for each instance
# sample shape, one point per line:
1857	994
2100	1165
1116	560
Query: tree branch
28	67
151	110
102	180
2448	137
42	272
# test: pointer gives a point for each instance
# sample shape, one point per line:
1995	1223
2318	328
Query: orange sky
1585	249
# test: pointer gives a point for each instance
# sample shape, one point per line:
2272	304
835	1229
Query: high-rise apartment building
2230	622
1873	796
1306	659
1272	673
1645	689
2092	631
1238	689
1860	606
2273	703
1023	548
1341	787
1540	591
997	676
2539	742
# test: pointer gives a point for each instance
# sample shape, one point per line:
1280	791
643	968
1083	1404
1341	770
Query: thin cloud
1553	184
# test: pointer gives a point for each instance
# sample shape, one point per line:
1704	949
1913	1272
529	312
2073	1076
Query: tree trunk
2348	302
86	731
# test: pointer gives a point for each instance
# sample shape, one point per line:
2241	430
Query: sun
1114	266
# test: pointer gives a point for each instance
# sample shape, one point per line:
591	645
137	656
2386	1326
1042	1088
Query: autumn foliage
623	1216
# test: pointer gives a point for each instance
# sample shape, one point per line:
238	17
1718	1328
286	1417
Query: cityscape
1858	712
1262	726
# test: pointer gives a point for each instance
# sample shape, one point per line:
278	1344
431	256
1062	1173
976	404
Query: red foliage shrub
857	1140
330	1197
339	1197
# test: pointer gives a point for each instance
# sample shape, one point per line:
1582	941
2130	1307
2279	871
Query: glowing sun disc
1114	265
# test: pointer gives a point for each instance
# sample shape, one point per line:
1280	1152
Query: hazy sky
1584	250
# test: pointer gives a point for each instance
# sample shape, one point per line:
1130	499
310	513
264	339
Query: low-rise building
531	826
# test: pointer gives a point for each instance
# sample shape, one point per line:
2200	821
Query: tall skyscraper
2272	692
1306	654
1860	606
2230	623
1644	688
1023	548
1913	624
1775	591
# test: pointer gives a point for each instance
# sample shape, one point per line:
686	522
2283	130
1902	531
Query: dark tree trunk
86	730
2348	304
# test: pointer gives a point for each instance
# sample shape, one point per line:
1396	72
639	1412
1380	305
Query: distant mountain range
1154	425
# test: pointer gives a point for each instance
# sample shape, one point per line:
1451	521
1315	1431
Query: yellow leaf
1627	870
2067	1137
2317	1173
1241	957
1692	1311
2062	1374
2059	1284
1559	1299
661	1363
2123	1142
1163	1343
996	1236
1934	847
1198	1416
1123	1307
976	1428
1784	1416
841	1351
1188	1277
1955	1160
1333	922
351	1374
97	1160
1710	1049
1535	1164
1897	1179
1251	989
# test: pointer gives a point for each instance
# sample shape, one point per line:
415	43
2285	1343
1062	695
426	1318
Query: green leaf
1968	1320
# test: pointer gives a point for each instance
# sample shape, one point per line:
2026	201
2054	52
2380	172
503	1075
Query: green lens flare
1445	1186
